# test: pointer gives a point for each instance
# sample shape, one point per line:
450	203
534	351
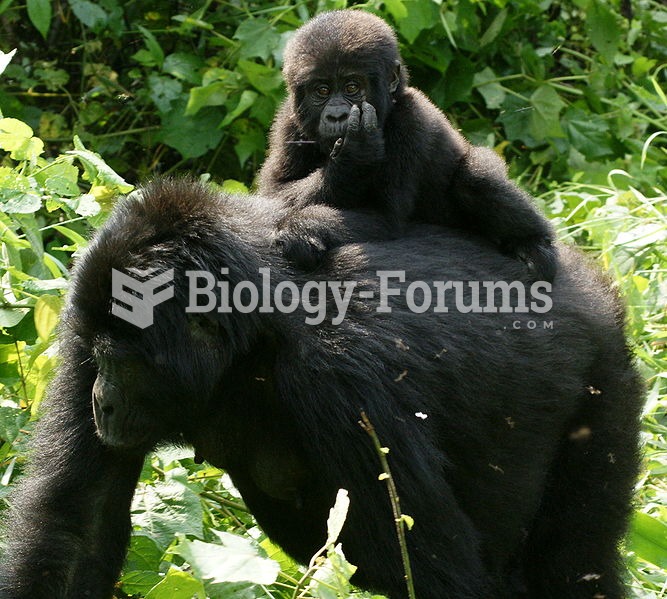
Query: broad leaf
234	559
39	13
544	120
492	91
259	38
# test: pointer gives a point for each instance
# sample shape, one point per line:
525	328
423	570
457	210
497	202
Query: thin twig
219	499
382	452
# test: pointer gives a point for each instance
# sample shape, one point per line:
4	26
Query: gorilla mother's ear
395	77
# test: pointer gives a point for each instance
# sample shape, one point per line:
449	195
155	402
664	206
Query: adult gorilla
353	134
519	479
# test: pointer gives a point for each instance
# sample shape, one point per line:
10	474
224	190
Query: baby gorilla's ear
395	77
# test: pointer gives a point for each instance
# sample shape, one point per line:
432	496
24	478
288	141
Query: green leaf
190	21
36	286
184	66
494	29
73	236
331	580
47	310
144	58
258	38
458	80
84	205
640	67
52	125
232	78
262	78
64	174
98	171
164	91
648	539
10	317
16	137
52	77
396	8
11	422
136	582
194	135
603	29
419	16
234	187
90	14
588	133
39	12
141	566
177	585
515	117
14	201
61	186
166	509
30	150
263	111
214	94
246	100
234	559
544	120
468	25
493	93
143	554
250	139
153	46
532	63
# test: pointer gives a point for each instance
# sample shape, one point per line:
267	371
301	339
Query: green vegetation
573	93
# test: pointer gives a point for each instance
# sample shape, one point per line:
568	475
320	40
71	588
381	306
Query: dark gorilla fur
519	480
353	134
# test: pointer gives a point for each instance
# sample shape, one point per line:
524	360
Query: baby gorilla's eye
351	88
323	91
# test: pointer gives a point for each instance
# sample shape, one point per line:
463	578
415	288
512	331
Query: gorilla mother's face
147	386
127	396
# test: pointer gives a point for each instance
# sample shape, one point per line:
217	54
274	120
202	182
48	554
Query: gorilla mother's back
512	436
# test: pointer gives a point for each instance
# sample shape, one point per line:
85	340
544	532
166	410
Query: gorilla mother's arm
68	523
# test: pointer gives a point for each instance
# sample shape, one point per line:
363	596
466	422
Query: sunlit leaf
46	314
232	559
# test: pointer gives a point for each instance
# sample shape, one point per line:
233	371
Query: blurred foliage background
97	97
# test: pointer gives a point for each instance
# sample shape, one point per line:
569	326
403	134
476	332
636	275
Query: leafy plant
45	208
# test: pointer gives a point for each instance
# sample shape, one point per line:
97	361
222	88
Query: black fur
398	154
519	479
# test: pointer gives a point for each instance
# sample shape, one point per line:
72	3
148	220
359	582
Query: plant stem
366	424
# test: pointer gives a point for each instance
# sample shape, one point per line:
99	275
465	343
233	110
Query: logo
134	297
136	294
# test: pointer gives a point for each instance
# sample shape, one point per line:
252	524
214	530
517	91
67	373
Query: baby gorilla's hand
363	142
302	246
539	255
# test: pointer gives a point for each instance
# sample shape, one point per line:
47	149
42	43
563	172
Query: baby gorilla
353	134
